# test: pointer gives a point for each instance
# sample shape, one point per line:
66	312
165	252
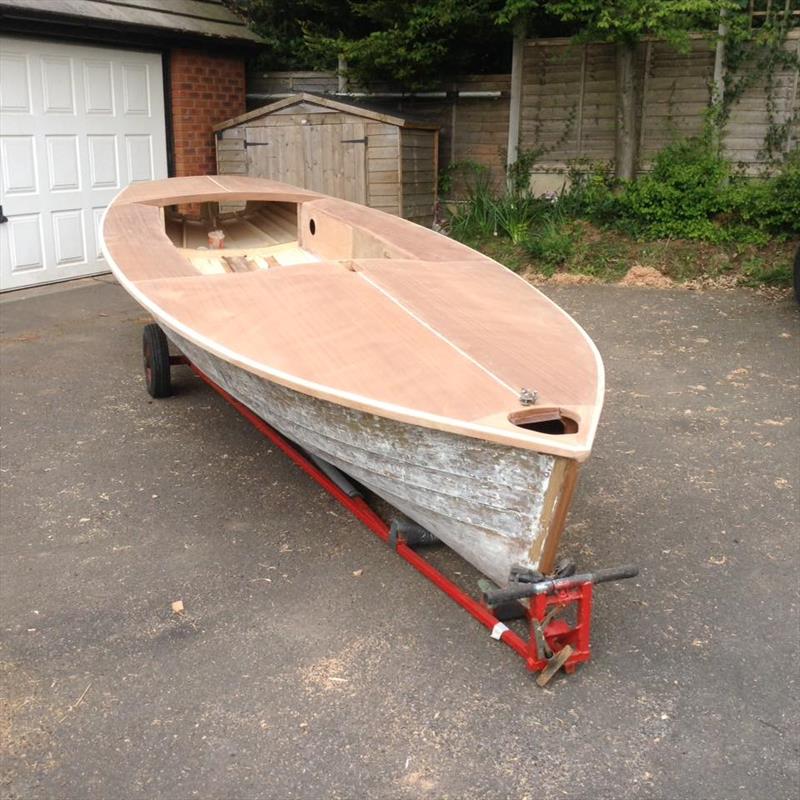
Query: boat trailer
545	602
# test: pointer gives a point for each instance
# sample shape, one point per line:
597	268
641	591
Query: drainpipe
515	101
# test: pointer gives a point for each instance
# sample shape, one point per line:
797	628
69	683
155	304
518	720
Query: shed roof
194	18
327	102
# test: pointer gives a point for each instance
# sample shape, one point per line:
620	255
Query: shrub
771	205
783	208
552	244
591	193
680	197
690	193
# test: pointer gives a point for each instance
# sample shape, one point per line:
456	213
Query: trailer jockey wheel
155	350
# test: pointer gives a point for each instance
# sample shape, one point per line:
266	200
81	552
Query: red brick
206	89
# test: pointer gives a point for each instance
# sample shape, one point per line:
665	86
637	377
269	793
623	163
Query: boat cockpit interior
238	237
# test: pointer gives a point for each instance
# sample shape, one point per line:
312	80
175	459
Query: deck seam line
217	183
433	330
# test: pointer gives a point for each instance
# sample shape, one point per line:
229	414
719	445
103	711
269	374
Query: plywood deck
367	310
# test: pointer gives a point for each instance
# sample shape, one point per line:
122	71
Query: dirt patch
715	282
24	733
646	277
20	339
345	670
418	784
571	279
328	674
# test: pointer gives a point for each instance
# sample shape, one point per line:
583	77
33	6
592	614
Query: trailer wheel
155	351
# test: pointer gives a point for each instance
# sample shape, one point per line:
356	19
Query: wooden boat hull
429	373
497	506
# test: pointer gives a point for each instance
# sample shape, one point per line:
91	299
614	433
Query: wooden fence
568	105
568	102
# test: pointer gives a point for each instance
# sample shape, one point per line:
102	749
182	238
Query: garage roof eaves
204	20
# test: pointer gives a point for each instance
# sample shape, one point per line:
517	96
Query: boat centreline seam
217	183
433	330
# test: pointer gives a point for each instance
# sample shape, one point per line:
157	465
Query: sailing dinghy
422	369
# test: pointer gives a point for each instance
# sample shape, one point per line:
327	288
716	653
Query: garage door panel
15	93
63	163
103	161
19	169
98	87
139	151
136	89
25	242
58	86
69	238
79	124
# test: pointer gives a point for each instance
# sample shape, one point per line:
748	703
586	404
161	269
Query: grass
580	248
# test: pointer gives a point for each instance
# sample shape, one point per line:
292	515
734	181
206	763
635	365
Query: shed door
327	158
78	124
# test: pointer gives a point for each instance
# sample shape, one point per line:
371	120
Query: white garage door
77	124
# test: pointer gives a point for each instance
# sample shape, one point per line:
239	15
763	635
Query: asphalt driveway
289	676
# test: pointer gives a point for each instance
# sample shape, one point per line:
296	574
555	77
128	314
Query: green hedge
692	193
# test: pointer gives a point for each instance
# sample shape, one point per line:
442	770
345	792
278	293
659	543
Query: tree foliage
415	43
630	20
287	26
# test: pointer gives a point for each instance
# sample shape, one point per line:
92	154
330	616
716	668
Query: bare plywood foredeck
359	307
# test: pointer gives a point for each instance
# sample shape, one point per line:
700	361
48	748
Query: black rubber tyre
155	351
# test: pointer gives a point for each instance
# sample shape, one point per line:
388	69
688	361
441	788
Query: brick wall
206	89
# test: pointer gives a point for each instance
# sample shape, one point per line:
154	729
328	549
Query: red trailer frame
553	643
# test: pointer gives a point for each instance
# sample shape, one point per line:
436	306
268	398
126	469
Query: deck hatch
551	421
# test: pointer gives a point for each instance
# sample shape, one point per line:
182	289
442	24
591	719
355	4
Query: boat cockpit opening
237	236
544	420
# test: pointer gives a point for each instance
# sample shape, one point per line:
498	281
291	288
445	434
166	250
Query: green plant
518	174
771	205
514	215
591	192
755	272
784	203
483	212
474	217
552	244
680	196
690	193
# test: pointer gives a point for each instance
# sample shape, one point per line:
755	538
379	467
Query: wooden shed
381	160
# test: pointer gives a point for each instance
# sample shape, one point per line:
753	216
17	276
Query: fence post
515	101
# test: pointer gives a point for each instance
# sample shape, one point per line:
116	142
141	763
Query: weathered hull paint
491	503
